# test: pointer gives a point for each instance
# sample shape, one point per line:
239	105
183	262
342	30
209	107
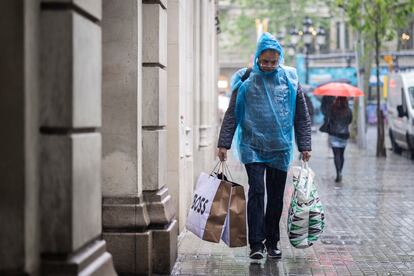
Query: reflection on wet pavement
369	216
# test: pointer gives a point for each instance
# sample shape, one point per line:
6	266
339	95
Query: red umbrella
338	89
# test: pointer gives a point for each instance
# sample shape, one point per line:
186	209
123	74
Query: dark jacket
309	105
339	122
302	123
326	104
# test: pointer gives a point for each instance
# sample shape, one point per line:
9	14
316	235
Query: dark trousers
264	226
338	159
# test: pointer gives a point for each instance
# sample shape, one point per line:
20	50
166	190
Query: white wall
192	96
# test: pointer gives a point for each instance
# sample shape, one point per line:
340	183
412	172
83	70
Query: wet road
369	217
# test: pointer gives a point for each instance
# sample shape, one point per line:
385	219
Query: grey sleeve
228	127
302	123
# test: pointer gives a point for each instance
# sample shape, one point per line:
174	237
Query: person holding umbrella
339	118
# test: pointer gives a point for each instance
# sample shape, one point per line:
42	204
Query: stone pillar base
141	233
132	252
160	208
89	260
153	251
124	214
164	256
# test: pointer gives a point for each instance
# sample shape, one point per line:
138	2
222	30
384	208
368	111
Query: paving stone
369	216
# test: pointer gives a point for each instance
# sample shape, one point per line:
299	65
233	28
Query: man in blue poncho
263	112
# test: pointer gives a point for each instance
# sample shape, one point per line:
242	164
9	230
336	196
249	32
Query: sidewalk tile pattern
369	222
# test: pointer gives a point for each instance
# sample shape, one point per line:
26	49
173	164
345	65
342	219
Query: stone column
175	150
205	78
186	186
208	110
342	36
198	166
180	106
125	217
160	207
215	71
19	180
70	118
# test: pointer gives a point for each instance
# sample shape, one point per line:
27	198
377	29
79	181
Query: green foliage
282	15
377	21
240	31
383	17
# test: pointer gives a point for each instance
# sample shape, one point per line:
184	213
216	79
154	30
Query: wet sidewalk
369	217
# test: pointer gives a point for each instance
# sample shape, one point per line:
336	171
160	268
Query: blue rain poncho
265	111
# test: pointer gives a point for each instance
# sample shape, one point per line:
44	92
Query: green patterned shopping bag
306	218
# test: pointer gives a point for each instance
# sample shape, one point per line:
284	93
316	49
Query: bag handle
222	167
218	167
304	167
215	167
227	170
222	170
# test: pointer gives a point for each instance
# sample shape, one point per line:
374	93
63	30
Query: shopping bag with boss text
209	207
234	232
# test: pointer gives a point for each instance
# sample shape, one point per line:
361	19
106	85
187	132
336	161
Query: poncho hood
267	42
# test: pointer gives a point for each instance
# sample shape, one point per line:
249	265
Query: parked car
400	106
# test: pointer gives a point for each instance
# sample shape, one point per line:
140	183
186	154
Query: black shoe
257	252
338	178
274	253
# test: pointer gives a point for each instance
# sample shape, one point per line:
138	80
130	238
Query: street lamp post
307	40
294	40
321	36
291	50
307	36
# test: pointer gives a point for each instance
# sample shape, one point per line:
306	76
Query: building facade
329	61
110	112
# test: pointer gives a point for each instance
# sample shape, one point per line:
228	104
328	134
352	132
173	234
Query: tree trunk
380	118
369	54
359	102
354	131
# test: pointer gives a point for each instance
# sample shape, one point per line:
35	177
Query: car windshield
411	95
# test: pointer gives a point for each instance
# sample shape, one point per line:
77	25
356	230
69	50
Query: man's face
268	60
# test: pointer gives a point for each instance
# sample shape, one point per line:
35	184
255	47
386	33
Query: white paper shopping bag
209	208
